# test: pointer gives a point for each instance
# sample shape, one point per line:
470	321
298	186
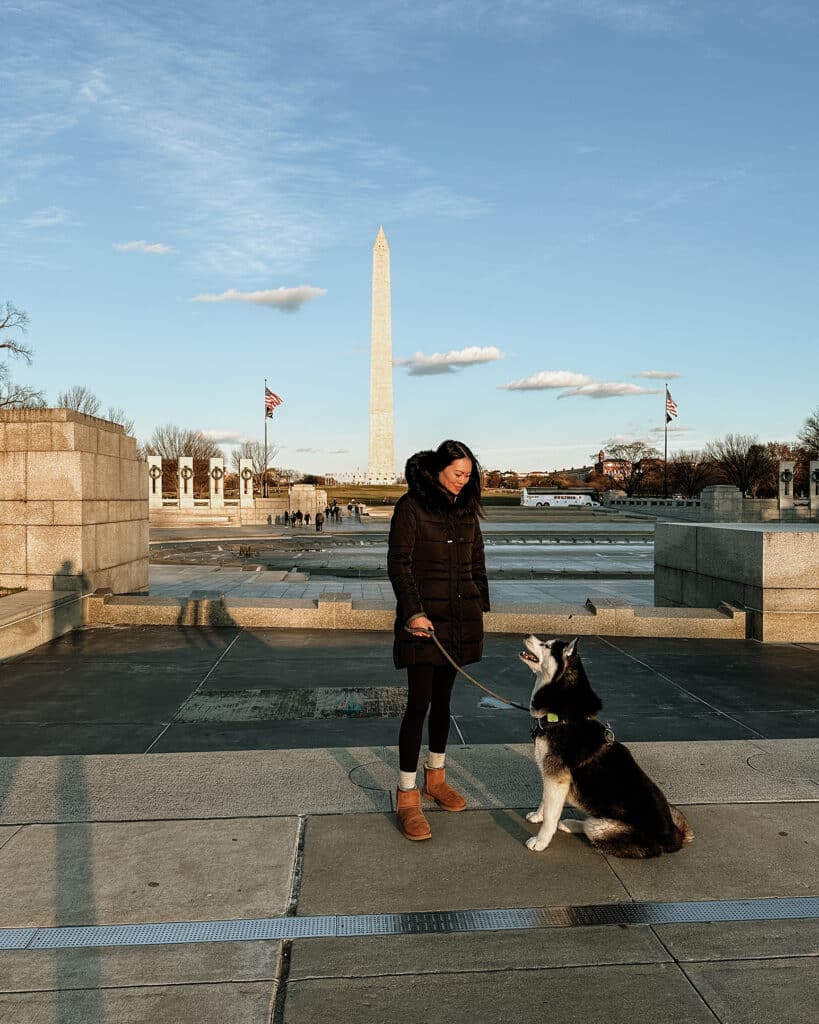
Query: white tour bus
555	499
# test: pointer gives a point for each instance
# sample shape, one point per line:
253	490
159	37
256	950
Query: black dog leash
431	634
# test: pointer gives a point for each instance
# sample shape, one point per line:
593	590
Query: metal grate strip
16	938
422	923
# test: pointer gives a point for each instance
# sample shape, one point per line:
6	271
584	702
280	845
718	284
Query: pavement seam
17	830
190	696
700	700
135	985
443	973
284	958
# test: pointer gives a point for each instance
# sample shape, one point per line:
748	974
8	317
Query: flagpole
264	475
665	445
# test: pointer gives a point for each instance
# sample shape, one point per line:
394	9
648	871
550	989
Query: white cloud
658	374
231	437
339	451
155	248
289	300
607	390
672	429
96	87
445	362
548	379
50	217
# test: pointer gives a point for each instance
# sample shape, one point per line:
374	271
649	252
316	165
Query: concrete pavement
252	824
197	825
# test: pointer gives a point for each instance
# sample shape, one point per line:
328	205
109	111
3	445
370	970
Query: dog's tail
682	826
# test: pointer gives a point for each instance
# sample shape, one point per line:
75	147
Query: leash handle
430	634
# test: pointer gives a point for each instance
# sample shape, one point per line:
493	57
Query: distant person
286	518
319	521
297	517
436	565
306	518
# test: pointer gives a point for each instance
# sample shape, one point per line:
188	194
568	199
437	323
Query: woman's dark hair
448	452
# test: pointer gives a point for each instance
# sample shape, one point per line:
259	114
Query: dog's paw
535	816
571	825
536	844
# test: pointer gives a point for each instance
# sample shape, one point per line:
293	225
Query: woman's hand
420	622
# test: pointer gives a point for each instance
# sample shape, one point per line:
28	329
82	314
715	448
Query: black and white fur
627	814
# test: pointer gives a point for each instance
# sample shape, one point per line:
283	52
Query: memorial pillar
154	481
785	476
184	481
216	483
813	488
245	483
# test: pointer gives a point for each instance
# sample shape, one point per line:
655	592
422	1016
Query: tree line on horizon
636	467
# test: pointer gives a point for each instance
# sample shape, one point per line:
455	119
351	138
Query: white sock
436	760
406	780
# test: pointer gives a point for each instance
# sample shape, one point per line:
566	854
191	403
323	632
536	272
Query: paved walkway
248	869
182	580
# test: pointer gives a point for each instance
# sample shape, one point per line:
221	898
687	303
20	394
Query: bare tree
80	399
689	472
628	467
171	443
116	414
779	450
808	436
13	325
254	450
741	461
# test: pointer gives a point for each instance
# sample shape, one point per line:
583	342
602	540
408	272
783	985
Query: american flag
270	402
670	407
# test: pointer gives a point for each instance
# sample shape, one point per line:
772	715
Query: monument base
769	569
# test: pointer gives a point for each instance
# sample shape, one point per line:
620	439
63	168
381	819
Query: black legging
430	687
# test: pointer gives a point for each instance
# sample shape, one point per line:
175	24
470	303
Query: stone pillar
721	503
184	481
785	477
245	483
216	483
813	488
154	481
73	504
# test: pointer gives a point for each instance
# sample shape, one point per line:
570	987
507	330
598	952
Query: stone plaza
197	779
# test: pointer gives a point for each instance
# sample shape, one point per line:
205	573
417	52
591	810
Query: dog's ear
571	647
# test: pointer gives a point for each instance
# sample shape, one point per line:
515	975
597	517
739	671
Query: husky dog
627	814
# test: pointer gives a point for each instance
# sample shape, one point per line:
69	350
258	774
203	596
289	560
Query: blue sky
575	192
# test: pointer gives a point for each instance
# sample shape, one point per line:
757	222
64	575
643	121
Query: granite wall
73	503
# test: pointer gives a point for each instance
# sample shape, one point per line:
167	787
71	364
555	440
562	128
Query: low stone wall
263	512
719	504
73	503
33	618
771	571
333	610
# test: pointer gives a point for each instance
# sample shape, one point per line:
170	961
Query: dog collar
540	725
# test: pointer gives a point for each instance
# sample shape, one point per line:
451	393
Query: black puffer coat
436	566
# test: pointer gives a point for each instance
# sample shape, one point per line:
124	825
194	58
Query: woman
436	566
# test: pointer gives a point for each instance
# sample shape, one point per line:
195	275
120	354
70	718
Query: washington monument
381	467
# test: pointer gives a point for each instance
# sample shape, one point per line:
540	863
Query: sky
585	200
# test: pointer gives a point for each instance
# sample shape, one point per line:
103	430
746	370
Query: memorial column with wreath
245	483
216	483
184	472
154	481
786	472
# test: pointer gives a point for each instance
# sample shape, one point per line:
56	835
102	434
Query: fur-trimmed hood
422	483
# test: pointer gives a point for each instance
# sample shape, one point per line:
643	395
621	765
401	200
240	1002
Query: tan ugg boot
437	789
411	820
